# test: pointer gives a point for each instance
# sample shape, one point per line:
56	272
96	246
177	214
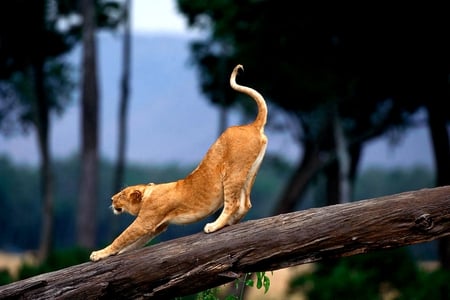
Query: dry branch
194	263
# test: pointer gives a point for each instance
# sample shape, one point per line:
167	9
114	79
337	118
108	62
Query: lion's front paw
97	255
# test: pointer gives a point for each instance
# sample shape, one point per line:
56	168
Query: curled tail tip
234	74
239	67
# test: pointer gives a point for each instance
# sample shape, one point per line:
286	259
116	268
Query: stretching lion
224	177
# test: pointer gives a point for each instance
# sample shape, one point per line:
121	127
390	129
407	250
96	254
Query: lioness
224	177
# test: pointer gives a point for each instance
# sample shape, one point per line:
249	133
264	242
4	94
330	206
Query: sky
161	17
150	16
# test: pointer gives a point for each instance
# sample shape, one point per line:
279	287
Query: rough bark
194	263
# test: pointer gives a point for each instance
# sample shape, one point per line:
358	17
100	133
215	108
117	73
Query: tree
34	77
95	14
35	83
124	99
194	263
86	229
118	176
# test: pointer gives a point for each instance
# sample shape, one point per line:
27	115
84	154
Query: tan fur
224	177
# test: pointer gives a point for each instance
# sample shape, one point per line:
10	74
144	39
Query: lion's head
127	200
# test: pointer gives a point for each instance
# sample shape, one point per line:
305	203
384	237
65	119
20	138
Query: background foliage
396	276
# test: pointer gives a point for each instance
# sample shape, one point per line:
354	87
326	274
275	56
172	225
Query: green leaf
249	282
266	284
260	277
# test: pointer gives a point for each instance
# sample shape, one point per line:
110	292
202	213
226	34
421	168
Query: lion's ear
136	196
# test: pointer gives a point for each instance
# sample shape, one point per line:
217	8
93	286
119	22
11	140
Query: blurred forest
341	76
18	184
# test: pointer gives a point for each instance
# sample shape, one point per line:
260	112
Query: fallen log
197	262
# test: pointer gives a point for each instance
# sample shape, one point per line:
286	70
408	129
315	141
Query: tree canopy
371	67
51	30
302	57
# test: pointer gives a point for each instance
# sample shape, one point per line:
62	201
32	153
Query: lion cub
224	177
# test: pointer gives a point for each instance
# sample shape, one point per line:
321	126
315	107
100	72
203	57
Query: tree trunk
124	100
194	263
119	173
441	147
86	226
343	159
332	187
42	122
355	156
309	166
224	102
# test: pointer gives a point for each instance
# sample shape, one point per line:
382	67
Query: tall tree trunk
124	100
331	172
118	175
441	147
310	164
355	156
42	121
86	222
343	159
224	103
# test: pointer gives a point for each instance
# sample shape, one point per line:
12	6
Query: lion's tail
261	118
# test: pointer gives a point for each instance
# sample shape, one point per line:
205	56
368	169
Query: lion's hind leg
244	200
236	199
244	207
232	195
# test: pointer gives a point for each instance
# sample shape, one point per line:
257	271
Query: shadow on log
197	262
